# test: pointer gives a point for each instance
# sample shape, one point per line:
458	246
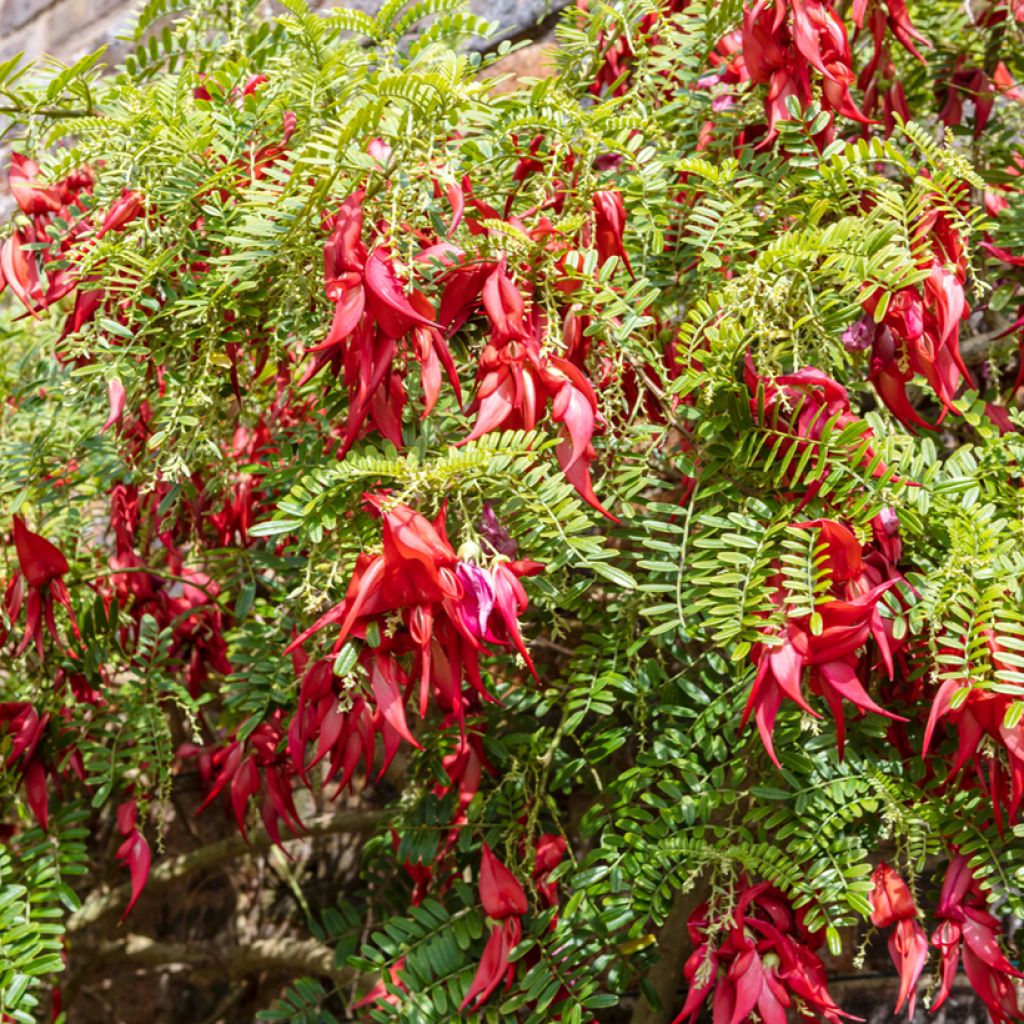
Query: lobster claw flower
892	905
610	225
387	299
504	306
116	399
761	959
967	930
504	899
40	561
41	568
494	964
133	852
549	853
501	893
33	197
827	649
18	270
126	208
891	899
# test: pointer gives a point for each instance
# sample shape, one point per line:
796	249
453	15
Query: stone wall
68	28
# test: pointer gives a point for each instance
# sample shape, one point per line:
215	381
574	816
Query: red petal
40	560
116	397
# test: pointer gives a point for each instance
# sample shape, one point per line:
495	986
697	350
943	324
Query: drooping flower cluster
784	42
25	728
504	901
420	601
372	314
919	332
805	404
32	262
829	649
968	932
758	965
987	739
376	314
37	585
258	765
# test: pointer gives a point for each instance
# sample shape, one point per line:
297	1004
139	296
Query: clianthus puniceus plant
592	507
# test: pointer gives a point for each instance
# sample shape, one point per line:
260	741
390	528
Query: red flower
133	851
494	964
125	209
783	42
609	226
968	931
515	379
255	764
371	314
26	728
504	899
500	891
920	329
41	569
802	404
763	962
380	994
550	851
980	715
828	648
892	904
446	610
33	197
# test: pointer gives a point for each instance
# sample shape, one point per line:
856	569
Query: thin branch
214	854
296	957
58	112
976	349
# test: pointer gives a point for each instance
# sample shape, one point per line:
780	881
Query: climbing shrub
604	493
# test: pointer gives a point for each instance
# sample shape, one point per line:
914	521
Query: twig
976	349
46	112
295	956
214	854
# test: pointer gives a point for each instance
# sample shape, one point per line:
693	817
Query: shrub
600	500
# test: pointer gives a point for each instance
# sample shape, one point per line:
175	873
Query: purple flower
494	535
857	337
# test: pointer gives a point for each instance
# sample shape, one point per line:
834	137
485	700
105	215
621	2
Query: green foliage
747	263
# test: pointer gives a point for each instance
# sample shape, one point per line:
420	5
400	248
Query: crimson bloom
892	905
803	404
134	850
372	312
25	727
422	601
919	332
977	718
783	41
33	258
969	932
827	648
254	766
609	225
41	568
516	378
503	898
763	961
